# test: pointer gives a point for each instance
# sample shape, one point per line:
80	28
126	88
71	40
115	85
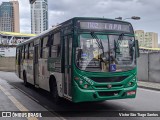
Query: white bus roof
16	34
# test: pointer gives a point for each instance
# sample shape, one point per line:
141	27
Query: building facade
9	16
39	16
148	39
151	40
140	37
16	18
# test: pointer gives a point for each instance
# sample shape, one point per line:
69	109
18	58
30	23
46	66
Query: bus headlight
131	82
85	86
134	79
82	83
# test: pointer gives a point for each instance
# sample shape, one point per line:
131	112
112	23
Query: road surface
37	100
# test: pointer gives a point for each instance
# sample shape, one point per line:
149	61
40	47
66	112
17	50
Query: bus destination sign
105	26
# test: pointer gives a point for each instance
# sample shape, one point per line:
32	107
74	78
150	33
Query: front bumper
83	95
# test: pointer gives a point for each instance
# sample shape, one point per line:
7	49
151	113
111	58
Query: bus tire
54	92
25	79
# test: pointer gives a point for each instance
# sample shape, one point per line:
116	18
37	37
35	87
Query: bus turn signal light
131	93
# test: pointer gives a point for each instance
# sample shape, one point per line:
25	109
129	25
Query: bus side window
17	54
56	47
22	53
20	56
44	48
41	47
31	51
26	51
50	43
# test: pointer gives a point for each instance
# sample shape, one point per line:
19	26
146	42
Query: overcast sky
61	10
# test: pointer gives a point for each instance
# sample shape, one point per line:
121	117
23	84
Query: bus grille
108	79
109	93
105	86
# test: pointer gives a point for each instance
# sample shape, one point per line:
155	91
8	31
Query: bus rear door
68	67
35	66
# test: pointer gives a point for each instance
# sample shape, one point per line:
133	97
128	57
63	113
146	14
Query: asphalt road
146	100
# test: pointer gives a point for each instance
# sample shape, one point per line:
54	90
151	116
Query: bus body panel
43	74
29	72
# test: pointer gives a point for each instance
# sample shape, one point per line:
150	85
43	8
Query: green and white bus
82	59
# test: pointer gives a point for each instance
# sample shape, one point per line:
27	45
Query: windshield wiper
121	36
98	41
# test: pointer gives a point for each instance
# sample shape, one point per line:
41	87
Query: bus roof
98	18
16	34
61	24
37	36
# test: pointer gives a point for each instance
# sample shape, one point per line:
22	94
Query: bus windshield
105	53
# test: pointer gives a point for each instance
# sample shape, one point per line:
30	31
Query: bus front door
35	66
68	68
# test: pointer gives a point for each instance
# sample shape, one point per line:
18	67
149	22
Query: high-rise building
39	16
9	16
148	39
151	40
16	26
140	37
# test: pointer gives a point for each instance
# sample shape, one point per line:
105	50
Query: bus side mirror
137	48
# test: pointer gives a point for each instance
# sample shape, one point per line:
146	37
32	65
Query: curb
149	88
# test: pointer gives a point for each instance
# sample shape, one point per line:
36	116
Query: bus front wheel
54	92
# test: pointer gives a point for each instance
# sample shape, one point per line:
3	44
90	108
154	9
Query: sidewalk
13	103
149	85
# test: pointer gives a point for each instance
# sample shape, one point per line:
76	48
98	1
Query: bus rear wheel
54	93
25	79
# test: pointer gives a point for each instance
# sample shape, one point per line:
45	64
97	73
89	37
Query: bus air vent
109	93
108	79
113	86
